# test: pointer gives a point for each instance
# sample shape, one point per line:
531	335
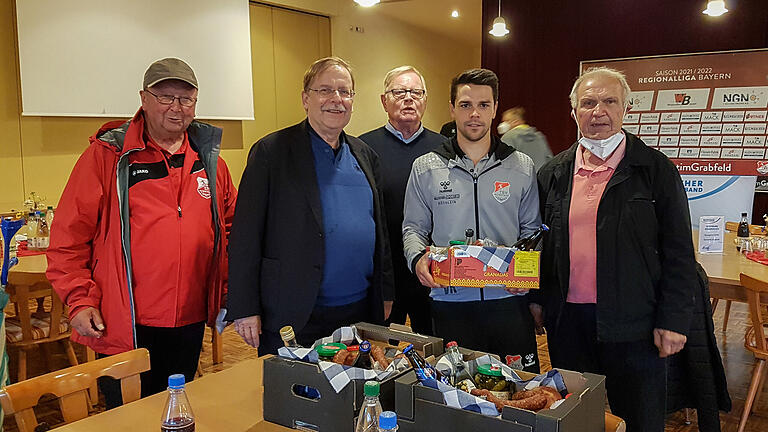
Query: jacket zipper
475	176
126	247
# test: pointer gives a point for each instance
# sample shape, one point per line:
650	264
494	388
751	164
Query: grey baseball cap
169	68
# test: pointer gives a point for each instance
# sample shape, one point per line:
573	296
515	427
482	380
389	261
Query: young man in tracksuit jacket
474	181
138	247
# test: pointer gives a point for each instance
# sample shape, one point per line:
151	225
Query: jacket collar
126	136
450	149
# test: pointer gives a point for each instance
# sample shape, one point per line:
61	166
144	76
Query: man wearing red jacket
138	248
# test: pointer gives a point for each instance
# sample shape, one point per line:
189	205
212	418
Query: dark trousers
323	321
411	299
172	350
636	378
503	327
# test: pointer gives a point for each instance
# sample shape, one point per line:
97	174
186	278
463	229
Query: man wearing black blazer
309	245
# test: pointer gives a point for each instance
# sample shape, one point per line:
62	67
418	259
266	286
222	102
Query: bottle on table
363	359
49	216
743	230
369	414
388	421
43	232
424	371
177	415
31	230
460	370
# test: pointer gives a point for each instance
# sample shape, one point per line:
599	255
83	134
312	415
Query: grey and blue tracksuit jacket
447	193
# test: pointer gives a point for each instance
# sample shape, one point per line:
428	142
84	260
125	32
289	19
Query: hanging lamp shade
715	8
499	27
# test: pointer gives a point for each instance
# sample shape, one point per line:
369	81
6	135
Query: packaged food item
489	377
328	350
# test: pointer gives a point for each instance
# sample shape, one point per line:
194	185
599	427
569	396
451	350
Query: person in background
138	246
618	267
399	142
516	133
474	181
309	245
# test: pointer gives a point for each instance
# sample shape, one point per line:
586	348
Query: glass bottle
288	337
177	415
424	371
363	359
743	230
31	231
369	413
460	371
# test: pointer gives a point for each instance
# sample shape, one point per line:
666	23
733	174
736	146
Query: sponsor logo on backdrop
750	153
755	116
733	97
685	99
690	117
712	116
641	100
762	167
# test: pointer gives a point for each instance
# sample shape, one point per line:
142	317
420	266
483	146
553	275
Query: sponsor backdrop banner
718	195
706	112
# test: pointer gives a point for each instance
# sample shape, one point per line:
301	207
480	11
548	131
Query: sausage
533	402
378	355
340	356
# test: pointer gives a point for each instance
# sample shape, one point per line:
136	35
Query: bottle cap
365	346
469	232
330	349
490	370
451	344
50	207
176	381
286	333
408	349
387	420
371	388
743	215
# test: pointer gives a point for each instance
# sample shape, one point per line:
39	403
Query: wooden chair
70	385
31	329
755	341
733	227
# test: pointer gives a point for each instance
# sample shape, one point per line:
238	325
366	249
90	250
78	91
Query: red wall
538	60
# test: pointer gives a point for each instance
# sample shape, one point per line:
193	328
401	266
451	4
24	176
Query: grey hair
396	72
605	71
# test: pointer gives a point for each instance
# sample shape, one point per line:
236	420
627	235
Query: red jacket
89	258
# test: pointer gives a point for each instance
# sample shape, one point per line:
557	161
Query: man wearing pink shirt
618	268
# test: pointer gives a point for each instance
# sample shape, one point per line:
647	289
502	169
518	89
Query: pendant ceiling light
367	3
715	8
499	27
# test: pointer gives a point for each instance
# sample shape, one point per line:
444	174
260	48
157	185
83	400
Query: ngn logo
736	97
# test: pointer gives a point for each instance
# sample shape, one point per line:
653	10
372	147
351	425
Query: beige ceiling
435	15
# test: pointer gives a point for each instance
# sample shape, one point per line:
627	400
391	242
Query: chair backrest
23	287
754	288
70	386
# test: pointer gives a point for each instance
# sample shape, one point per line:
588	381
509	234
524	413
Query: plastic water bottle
177	415
368	421
388	421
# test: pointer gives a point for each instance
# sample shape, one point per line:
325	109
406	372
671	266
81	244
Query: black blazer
276	248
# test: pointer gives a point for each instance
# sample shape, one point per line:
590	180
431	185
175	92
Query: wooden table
230	400
723	270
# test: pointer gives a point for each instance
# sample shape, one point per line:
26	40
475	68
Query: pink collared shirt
589	183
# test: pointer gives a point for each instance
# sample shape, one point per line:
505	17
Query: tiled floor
738	364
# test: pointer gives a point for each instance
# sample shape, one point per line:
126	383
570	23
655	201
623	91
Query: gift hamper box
304	393
438	406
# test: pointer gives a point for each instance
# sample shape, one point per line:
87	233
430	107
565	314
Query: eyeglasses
168	99
328	92
415	93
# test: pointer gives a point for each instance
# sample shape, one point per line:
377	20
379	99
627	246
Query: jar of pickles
326	351
489	377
